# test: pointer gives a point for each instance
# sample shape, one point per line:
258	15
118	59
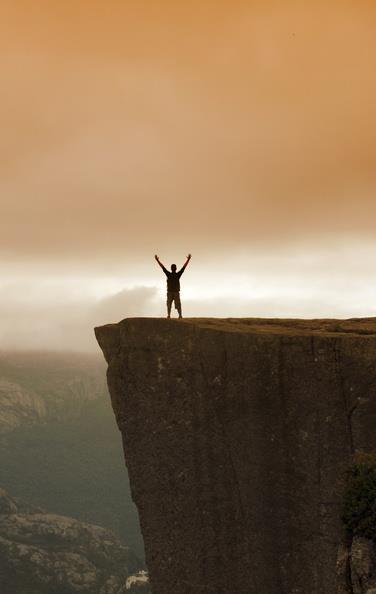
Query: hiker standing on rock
173	285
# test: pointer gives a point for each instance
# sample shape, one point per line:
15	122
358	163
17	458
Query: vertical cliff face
237	435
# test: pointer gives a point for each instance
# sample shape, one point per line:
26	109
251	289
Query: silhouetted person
173	285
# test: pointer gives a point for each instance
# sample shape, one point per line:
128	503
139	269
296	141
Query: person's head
173	267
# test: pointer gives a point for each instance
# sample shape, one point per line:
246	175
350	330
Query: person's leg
178	304
170	299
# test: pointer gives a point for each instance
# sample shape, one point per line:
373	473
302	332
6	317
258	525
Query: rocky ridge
42	553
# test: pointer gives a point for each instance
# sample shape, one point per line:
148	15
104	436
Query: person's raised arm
160	264
185	264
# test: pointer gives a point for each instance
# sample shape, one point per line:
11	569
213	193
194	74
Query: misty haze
244	133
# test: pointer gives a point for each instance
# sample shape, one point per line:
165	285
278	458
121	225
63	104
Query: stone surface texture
44	553
237	436
363	566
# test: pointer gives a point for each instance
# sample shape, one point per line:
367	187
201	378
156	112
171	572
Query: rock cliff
237	436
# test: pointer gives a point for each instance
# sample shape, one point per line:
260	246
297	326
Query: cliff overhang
237	436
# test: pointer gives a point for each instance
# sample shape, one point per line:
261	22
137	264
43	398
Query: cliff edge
237	436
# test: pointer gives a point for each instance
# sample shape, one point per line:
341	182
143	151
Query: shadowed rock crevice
237	435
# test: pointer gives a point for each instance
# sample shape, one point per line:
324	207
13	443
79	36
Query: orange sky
243	132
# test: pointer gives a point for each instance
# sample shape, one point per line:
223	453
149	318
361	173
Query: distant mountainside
43	553
19	407
40	386
60	447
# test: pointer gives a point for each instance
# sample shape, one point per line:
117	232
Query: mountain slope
60	447
39	386
44	553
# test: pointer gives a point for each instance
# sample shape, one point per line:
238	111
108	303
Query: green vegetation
360	497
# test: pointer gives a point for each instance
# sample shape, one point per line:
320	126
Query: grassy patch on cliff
359	513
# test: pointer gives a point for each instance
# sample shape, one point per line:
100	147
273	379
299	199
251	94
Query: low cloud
29	324
46	310
58	323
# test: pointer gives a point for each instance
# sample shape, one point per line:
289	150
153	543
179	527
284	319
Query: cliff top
280	326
